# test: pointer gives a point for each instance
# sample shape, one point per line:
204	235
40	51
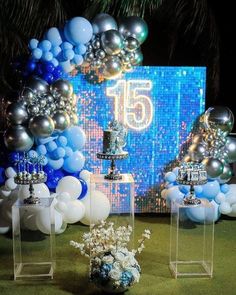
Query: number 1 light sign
158	105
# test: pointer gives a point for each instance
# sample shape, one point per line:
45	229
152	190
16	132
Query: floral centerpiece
113	267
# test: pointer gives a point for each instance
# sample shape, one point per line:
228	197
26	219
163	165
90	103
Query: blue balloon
37	53
78	59
3	176
33	44
33	154
53	35
170	177
68	54
78	30
68	151
56	50
66	45
58	72
74	163
210	189
39	69
84	189
66	66
14	157
55	62
76	137
51	146
48	67
80	49
48	77
49	171
30	65
45	45
176	171
61	141
173	194
202	214
224	188
198	189
56	164
184	188
47	56
59	153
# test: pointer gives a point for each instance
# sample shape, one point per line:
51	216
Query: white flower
116	265
135	274
115	274
119	256
125	262
108	259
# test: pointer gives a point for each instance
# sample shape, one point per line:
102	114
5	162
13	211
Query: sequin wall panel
158	105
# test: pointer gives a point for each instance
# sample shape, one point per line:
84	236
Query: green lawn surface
71	275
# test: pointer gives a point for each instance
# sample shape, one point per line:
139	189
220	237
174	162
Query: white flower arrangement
113	265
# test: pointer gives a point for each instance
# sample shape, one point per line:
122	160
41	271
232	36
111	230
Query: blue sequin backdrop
158	104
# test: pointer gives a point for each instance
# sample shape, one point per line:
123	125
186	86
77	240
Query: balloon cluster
41	110
212	146
102	45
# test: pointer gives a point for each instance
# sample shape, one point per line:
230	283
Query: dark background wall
181	32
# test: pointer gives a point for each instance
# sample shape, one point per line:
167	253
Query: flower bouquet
113	267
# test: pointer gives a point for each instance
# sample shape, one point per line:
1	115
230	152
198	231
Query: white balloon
4	229
71	185
85	175
231	198
233	212
43	221
10	184
4	192
220	197
64	197
100	208
225	208
61	207
63	228
10	172
75	211
40	191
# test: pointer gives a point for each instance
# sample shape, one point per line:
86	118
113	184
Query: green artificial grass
72	270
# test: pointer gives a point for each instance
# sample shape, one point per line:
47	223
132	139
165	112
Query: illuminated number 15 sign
132	103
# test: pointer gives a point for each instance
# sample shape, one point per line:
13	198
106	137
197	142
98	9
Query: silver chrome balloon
28	95
112	42
37	85
61	120
62	87
131	44
73	119
41	126
213	166
230	148
16	113
103	22
134	26
112	67
197	152
137	57
100	53
18	138
226	174
219	118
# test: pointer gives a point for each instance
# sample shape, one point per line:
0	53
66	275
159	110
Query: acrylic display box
192	239
33	249
120	194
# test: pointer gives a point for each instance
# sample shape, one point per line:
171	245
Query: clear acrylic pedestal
33	251
120	194
192	239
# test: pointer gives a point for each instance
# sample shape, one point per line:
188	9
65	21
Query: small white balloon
233	212
40	191
75	211
85	175
10	172
62	229
43	221
220	197
4	192
71	185
100	208
225	208
10	184
64	197
61	207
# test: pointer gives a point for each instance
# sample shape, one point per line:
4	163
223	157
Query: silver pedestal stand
113	173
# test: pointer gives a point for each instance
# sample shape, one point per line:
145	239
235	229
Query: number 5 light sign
158	105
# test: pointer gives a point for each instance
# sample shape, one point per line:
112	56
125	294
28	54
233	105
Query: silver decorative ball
226	174
61	88
37	85
16	113
230	148
73	119
112	42
131	44
18	138
103	22
213	166
41	126
197	152
112	67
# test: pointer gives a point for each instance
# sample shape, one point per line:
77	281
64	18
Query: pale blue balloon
68	151
176	171
184	188
55	62
51	146
66	45
66	66
170	177
61	141
53	35
59	153
76	137
224	188
68	54
41	149
173	194
78	30
56	164
45	45
198	189
47	56
37	53
33	43
33	154
74	163
78	59
210	189
201	214
80	49
56	50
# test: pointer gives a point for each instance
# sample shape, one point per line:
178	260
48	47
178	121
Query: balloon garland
216	150
43	121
